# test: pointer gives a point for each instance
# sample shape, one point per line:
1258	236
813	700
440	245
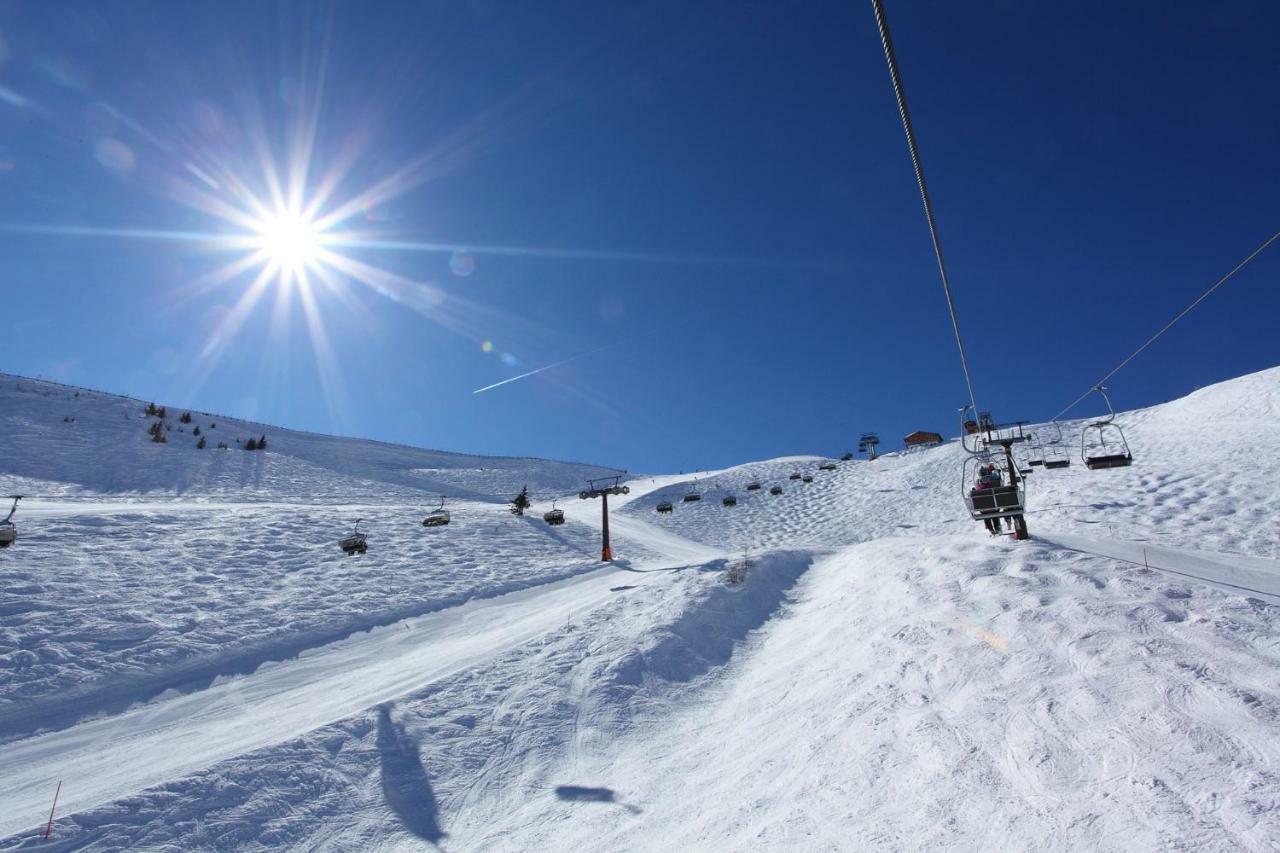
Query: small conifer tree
521	501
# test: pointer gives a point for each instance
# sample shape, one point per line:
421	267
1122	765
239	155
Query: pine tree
195	430
521	501
186	417
251	445
152	411
262	443
200	443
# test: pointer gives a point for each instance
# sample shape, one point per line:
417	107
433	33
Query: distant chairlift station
1102	443
9	530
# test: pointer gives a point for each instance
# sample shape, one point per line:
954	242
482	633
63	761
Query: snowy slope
888	676
106	450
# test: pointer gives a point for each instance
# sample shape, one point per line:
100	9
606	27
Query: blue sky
713	201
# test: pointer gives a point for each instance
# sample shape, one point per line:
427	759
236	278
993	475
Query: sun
290	242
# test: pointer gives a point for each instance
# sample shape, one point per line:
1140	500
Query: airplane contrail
539	370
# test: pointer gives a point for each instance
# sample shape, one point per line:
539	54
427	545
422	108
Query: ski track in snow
888	677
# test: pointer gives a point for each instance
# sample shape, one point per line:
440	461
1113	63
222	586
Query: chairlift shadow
406	787
591	794
713	566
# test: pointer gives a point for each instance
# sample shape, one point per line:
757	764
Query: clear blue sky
718	192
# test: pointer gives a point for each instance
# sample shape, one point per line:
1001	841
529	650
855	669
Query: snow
185	648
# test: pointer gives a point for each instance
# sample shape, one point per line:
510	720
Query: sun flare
289	241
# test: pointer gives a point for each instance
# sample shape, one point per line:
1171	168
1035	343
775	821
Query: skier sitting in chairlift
989	478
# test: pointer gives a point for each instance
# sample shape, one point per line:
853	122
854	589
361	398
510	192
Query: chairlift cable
1167	326
887	42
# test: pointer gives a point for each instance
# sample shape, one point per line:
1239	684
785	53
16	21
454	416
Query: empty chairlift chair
9	530
794	477
1102	443
1055	453
829	466
775	490
438	517
692	495
553	516
664	506
753	487
807	478
355	543
848	454
729	500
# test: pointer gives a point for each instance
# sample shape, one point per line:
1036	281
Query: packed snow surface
852	664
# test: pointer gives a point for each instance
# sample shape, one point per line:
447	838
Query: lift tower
602	487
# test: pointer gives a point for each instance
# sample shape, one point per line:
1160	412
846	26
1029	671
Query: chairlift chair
753	487
729	500
9	530
828	466
438	517
664	506
355	542
807	478
993	446
795	476
848	454
553	516
1000	501
1055	452
1095	448
775	490
691	497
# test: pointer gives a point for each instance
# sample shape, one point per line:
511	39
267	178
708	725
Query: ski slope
189	653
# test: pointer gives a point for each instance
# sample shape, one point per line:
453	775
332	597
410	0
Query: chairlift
553	516
438	517
1035	454
807	478
354	543
664	506
775	490
753	487
9	530
991	481
848	454
692	496
729	500
795	476
1102	443
989	500
828	466
1055	452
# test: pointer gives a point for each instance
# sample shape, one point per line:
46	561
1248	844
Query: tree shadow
405	784
589	794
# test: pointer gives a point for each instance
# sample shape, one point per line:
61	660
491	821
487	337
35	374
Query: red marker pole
606	553
48	830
